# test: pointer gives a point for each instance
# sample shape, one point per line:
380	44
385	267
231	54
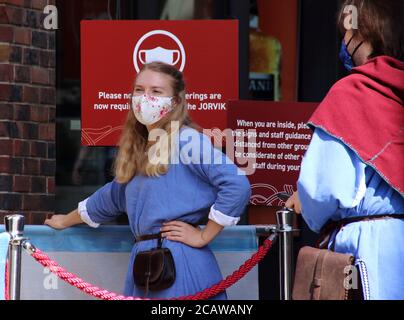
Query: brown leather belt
331	226
153	236
146	237
346	221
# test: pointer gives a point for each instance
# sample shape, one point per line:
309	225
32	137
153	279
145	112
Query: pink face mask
150	109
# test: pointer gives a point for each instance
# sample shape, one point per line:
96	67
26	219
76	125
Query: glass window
82	170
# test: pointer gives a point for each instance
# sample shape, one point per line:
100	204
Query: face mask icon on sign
159	54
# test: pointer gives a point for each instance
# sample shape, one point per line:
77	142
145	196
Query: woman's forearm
62	221
73	218
211	230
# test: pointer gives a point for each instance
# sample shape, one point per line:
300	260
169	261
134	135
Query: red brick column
27	111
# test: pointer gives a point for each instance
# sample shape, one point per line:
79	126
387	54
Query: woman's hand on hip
183	232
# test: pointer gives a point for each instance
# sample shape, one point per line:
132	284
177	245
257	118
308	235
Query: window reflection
80	170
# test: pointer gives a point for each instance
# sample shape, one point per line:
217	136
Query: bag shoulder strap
160	242
318	274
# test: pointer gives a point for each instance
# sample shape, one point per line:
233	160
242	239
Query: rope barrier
210	292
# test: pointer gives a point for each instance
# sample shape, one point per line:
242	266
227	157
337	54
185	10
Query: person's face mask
150	109
345	56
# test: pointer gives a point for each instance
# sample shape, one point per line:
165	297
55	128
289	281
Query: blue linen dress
335	184
189	191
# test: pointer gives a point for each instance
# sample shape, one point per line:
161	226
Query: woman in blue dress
168	177
352	174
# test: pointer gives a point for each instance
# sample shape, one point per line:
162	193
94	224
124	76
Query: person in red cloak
351	184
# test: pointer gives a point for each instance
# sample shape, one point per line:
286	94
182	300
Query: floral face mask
150	109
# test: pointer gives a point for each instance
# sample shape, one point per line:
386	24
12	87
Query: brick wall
27	111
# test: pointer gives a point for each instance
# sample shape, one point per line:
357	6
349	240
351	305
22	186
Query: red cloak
365	111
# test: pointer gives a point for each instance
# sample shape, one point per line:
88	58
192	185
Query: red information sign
112	52
270	139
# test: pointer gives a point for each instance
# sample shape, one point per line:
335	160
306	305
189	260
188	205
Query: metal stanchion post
285	230
14	225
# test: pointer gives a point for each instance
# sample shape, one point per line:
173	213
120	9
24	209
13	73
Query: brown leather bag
154	269
322	274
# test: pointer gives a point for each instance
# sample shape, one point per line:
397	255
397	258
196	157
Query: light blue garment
4	240
185	193
335	184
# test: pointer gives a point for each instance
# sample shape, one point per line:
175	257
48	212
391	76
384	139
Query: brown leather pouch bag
154	269
322	274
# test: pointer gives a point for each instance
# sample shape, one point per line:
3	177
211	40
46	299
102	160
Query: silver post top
284	219
14	224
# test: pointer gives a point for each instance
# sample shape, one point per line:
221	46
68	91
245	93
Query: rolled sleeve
222	219
105	204
82	208
233	190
